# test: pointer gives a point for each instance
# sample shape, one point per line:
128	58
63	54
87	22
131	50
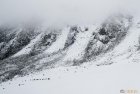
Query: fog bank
64	12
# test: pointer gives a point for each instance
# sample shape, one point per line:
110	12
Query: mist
64	12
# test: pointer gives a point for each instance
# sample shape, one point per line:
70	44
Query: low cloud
63	12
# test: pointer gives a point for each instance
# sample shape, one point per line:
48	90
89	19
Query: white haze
64	12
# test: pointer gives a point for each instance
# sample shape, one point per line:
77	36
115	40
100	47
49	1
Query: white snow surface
60	42
77	50
125	50
28	48
88	78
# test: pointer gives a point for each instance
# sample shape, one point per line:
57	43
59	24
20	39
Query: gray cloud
59	12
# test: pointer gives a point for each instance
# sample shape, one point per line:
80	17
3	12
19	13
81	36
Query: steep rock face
8	36
111	32
76	51
74	30
46	41
7	33
59	44
15	41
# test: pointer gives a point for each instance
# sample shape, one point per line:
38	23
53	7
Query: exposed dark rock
110	34
45	42
71	36
102	31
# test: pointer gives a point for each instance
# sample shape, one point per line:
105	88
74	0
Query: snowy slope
28	48
60	42
128	48
77	50
46	72
86	79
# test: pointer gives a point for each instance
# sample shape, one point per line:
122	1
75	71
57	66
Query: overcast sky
65	11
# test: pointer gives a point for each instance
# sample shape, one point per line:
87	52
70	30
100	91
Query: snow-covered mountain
28	50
